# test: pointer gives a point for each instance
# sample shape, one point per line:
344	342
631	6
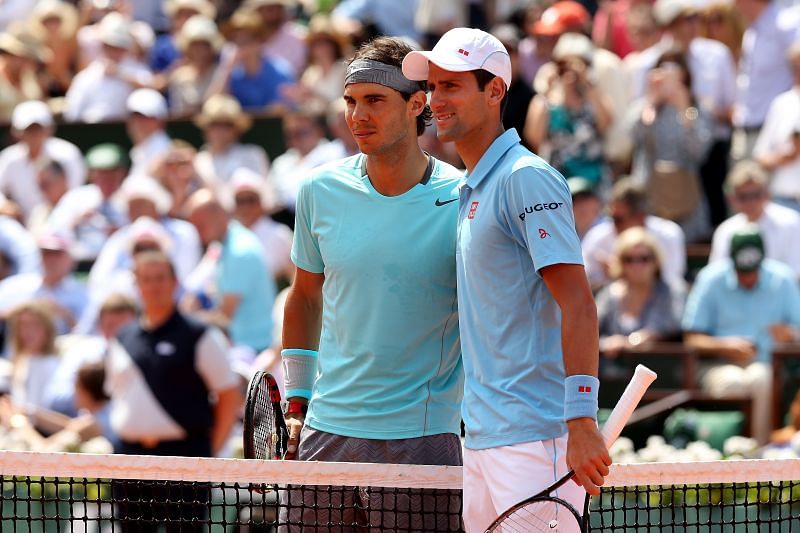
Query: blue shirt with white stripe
515	218
389	358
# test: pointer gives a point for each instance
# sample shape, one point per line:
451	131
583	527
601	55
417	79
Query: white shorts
497	478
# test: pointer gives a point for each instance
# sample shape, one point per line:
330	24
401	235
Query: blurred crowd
676	122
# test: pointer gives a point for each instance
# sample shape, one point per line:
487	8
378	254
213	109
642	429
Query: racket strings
544	516
264	424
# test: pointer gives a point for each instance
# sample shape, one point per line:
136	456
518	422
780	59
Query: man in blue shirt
241	289
370	332
737	309
527	318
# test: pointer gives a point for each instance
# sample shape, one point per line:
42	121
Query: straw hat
223	108
59	9
202	7
244	20
199	28
18	41
320	26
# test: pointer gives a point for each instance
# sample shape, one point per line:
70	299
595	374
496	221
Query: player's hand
294	424
587	454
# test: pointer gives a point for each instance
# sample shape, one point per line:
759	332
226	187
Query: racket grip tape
642	378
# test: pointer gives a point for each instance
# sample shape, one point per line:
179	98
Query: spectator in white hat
146	121
223	123
32	126
57	285
144	197
249	194
189	85
166	49
99	92
89	37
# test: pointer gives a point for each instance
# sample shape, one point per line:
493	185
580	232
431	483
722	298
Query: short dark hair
483	77
91	377
54	167
631	194
391	51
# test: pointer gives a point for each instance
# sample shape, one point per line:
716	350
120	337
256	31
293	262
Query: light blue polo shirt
515	218
719	306
242	270
389	356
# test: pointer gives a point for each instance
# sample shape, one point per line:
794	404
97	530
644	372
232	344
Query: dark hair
483	77
391	51
676	55
54	167
91	377
631	194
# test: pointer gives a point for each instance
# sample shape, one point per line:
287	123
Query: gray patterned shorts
362	509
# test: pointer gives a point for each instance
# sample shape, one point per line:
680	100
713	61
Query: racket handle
642	378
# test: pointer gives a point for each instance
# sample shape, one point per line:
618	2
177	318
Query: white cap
461	50
147	229
29	113
574	45
147	188
115	30
666	11
147	102
245	179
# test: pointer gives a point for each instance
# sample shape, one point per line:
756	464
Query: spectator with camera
671	139
572	117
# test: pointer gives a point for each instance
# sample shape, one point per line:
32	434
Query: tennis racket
265	434
544	511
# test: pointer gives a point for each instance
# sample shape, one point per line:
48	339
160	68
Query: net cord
143	467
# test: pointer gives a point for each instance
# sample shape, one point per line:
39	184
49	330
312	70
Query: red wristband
297	408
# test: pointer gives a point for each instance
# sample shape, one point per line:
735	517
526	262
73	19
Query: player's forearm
580	341
302	320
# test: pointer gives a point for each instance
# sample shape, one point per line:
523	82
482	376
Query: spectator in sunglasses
639	306
747	188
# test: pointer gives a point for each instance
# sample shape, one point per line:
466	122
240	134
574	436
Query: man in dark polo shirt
172	391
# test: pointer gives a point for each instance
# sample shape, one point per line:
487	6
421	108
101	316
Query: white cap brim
415	65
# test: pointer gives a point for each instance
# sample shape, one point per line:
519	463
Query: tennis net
56	492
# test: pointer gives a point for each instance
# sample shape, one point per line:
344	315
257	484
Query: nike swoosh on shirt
439	203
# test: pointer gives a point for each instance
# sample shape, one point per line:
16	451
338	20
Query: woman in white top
32	334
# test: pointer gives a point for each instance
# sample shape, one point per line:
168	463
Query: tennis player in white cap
527	318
